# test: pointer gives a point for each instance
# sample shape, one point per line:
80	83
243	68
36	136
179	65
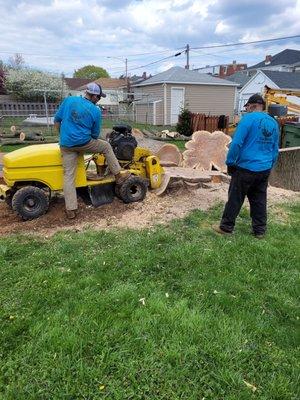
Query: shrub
184	126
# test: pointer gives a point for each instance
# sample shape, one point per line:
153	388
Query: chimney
268	59
144	76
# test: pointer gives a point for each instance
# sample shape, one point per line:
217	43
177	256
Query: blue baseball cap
94	88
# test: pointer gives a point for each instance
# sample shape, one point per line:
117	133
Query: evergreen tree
184	126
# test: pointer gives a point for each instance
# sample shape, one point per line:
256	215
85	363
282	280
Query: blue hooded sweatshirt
255	143
80	121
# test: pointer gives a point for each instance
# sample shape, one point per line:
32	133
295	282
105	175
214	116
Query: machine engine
122	142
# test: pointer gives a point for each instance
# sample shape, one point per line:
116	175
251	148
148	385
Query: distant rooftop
185	76
107	83
285	57
75	83
240	77
284	80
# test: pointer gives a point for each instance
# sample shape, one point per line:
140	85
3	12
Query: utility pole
187	52
126	72
62	85
127	79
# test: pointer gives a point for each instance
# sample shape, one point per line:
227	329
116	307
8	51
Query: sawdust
176	203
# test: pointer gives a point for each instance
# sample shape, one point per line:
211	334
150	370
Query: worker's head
255	103
94	92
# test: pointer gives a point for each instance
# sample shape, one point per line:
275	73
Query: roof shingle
284	80
184	76
75	83
285	57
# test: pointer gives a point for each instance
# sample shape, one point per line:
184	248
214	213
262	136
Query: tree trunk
286	173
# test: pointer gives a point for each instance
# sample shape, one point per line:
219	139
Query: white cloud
165	66
63	35
222	28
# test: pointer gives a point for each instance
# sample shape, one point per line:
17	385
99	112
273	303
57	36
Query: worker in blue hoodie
251	156
78	121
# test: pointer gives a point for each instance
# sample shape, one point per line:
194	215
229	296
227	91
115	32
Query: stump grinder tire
132	190
30	202
8	201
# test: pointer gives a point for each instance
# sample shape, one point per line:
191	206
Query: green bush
184	126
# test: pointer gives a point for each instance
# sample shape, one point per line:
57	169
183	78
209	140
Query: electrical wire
244	43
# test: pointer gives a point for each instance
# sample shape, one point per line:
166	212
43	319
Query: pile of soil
176	203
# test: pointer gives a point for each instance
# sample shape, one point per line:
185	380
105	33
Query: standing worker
78	121
251	156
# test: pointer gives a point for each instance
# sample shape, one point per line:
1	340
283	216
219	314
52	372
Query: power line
152	53
244	43
84	56
211	47
153	62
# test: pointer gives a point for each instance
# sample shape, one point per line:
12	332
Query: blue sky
63	35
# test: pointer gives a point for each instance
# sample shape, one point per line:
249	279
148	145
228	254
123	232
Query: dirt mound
177	202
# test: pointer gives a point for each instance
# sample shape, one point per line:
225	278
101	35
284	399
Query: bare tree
16	61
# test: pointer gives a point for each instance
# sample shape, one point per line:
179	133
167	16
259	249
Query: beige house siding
144	111
159	113
151	113
206	99
151	92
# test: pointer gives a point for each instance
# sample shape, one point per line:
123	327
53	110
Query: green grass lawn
179	143
172	312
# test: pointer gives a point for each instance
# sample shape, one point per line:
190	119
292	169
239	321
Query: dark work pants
254	186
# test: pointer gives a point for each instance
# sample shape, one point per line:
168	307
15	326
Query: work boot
71	214
218	229
122	176
258	235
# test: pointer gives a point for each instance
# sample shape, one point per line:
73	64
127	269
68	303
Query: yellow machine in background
33	174
279	96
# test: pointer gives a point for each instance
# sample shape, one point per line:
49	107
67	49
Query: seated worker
78	121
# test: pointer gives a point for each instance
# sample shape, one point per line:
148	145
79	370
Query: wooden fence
210	123
24	109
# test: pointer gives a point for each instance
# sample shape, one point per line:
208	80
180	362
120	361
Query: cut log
207	151
190	176
35	136
137	133
164	184
169	155
286	174
172	135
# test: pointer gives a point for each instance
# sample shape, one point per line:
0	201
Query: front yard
170	312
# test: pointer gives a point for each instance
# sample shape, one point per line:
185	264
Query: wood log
169	155
286	174
137	133
207	151
36	136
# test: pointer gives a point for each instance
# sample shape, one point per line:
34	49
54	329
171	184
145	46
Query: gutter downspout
235	103
165	103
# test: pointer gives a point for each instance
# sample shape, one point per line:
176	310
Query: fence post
46	109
